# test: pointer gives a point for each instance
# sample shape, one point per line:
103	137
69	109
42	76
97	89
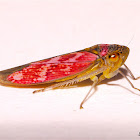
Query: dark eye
114	57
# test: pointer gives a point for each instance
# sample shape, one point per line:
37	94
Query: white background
33	30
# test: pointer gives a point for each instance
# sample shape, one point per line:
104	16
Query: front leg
95	82
131	74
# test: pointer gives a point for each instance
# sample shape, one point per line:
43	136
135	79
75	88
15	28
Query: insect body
104	59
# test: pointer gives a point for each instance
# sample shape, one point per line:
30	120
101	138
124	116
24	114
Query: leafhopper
98	62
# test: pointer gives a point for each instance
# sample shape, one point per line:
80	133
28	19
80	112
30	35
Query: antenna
131	39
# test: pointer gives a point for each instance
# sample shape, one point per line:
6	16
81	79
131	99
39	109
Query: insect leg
128	80
131	74
89	94
60	84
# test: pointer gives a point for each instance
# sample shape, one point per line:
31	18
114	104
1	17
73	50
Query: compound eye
114	57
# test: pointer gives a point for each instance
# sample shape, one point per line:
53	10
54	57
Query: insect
98	62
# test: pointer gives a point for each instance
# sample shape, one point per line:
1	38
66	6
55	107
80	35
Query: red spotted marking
104	49
53	68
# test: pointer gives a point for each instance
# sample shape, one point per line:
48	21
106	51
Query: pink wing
53	68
